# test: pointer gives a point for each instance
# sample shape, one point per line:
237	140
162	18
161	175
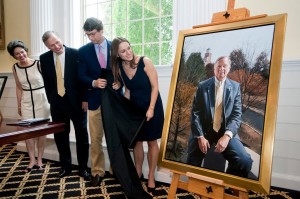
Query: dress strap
39	66
142	61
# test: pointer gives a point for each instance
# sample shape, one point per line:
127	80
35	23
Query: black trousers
239	161
62	111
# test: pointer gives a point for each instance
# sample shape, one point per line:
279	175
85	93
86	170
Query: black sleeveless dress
140	94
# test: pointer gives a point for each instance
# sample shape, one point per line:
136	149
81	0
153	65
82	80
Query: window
147	24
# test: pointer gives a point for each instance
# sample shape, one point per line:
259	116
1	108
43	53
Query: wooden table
10	134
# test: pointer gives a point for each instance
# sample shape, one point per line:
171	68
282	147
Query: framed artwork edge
2	26
3	80
265	169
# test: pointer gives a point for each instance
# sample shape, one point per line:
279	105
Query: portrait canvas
254	48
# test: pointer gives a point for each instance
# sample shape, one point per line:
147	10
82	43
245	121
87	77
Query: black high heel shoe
151	189
27	170
142	177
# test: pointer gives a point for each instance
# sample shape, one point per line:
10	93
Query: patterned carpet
14	183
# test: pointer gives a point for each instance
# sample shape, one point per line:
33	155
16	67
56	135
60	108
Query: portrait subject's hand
203	144
222	144
100	83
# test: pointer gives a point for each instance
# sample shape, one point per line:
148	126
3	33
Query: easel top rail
231	15
231	21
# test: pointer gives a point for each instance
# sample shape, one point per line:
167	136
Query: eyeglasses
92	33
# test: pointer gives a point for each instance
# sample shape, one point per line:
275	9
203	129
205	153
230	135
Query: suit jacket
74	90
89	70
203	107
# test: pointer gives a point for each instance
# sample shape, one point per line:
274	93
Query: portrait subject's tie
101	58
218	107
59	78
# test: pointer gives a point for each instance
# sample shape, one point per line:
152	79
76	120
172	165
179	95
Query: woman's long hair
115	59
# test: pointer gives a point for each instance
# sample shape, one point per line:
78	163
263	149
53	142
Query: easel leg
173	187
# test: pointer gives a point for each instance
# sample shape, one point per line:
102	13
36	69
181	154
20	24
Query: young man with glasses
94	64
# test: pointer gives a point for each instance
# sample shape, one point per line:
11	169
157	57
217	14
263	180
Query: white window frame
186	14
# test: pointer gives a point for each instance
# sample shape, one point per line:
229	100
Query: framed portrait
254	48
2	32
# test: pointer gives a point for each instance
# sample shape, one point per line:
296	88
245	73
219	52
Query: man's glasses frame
91	33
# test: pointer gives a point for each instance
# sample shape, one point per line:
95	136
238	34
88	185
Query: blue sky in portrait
252	40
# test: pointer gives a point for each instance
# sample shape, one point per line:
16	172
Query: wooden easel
208	187
230	15
205	186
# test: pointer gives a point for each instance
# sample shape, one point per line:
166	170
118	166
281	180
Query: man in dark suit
216	118
59	70
95	74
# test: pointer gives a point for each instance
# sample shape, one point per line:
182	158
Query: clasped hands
220	146
102	83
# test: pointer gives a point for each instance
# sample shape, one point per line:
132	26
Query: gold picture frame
259	43
2	26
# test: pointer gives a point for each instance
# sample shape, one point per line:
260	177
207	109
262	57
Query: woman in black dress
140	80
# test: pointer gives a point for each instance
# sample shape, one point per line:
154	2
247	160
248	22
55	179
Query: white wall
286	155
273	7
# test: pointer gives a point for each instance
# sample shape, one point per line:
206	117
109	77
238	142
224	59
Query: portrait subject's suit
68	107
202	115
88	71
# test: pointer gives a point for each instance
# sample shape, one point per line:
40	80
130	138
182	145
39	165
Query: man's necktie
59	78
218	107
101	58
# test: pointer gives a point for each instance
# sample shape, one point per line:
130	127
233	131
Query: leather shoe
150	189
85	174
96	180
64	172
142	177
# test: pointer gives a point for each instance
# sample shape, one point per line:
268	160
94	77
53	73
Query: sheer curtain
60	16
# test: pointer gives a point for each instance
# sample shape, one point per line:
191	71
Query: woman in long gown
140	80
31	97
